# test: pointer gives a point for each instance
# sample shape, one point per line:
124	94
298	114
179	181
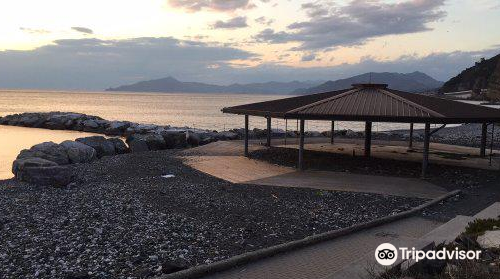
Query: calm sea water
193	110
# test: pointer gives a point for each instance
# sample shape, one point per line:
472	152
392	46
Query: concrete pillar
368	139
427	138
268	142
246	136
333	130
301	145
484	132
410	144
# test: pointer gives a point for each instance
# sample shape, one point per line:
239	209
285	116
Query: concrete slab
218	160
492	211
450	230
341	181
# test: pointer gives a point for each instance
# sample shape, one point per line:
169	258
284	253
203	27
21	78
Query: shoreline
465	134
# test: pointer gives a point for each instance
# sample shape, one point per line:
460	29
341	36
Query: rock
47	150
31	120
490	239
90	125
174	139
146	142
193	138
56	176
120	146
79	152
137	145
19	165
100	144
117	128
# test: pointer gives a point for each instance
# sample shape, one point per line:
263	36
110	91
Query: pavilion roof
371	102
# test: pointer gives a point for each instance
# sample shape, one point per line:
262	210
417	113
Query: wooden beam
484	133
332	133
427	138
368	139
410	144
268	142
246	136
301	145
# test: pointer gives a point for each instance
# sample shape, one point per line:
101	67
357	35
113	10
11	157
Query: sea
202	111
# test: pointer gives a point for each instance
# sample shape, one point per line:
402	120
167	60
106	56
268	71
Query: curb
203	270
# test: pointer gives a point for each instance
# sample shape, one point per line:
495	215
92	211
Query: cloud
96	64
308	57
233	23
34	31
264	20
84	30
355	23
215	5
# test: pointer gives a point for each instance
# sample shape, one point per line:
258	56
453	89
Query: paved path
220	161
323	260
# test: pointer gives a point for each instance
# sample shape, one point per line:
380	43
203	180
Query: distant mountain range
412	82
475	77
172	85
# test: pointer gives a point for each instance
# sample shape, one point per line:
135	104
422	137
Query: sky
95	44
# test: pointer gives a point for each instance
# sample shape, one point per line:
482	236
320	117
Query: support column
333	130
427	138
368	139
246	136
483	140
301	145
410	144
268	143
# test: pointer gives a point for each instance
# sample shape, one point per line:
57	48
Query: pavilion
370	103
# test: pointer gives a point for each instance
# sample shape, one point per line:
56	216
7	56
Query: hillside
411	82
172	85
476	76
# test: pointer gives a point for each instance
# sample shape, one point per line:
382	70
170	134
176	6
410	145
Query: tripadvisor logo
387	254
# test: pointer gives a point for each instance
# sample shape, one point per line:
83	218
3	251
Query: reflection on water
15	139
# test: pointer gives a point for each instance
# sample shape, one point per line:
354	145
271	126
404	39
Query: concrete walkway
351	256
326	259
219	160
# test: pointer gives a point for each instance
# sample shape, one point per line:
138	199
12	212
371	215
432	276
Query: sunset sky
73	44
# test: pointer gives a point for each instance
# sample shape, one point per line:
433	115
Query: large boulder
146	142
90	125
174	139
79	152
227	135
56	176
120	146
192	138
117	128
100	144
21	164
48	151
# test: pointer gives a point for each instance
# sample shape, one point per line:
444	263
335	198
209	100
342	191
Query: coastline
115	204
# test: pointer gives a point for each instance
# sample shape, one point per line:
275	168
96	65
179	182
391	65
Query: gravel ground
121	219
480	188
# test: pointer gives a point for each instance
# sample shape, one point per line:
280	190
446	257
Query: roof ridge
411	103
324	100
